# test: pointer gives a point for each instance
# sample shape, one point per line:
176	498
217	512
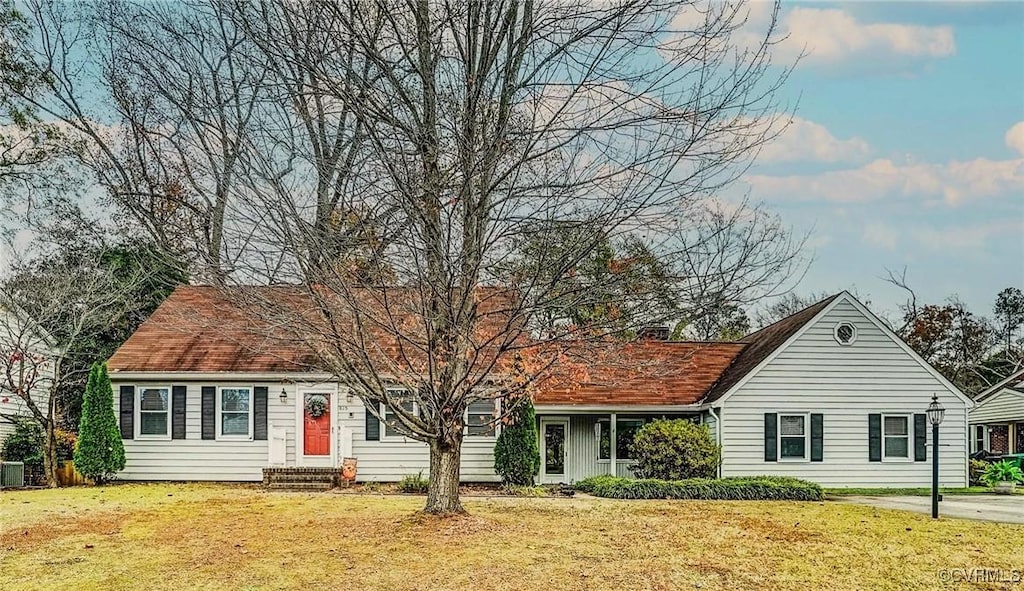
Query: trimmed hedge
771	488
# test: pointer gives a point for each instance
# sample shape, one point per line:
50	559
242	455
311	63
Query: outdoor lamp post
935	413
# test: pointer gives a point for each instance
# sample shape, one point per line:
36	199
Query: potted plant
1003	477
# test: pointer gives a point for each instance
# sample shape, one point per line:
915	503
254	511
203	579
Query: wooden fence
68	476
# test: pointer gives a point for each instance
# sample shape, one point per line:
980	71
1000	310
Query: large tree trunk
443	492
50	456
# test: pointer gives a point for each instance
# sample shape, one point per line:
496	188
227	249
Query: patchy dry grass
219	537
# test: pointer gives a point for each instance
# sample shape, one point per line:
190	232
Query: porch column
611	444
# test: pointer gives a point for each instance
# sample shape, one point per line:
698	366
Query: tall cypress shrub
517	452
99	453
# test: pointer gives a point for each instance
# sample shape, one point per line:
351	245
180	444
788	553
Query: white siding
706	418
194	458
16	407
845	383
391	459
1005	406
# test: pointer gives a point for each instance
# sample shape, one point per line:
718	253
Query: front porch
998	438
574	446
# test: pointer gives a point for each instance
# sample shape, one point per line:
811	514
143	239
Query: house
829	394
25	364
997	419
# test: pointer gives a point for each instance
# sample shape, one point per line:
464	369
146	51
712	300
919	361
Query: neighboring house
18	332
829	394
997	420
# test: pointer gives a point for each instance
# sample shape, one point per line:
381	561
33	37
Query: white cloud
953	182
946	238
1015	138
823	36
966	238
881	235
831	35
807	141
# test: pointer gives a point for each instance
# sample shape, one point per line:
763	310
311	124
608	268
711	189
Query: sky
906	147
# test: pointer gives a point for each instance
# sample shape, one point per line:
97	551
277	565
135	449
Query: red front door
316	435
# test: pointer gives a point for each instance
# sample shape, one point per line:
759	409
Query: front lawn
241	538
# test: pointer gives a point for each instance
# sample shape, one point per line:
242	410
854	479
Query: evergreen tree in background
516	453
99	453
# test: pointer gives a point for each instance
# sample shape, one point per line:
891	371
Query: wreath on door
316	405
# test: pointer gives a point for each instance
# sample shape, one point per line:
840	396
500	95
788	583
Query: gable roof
761	344
197	331
1013	382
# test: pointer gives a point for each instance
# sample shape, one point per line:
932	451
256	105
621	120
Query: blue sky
903	151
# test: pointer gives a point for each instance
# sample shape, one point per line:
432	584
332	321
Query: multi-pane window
625	431
154	404
391	420
480	418
793	437
896	435
235	411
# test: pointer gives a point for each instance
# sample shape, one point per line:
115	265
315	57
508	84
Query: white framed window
391	421
980	441
234	412
153	412
794	437
845	333
896	437
481	419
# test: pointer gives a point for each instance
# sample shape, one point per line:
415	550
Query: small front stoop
301	479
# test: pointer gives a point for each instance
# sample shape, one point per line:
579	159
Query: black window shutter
209	412
920	435
874	437
127	412
259	419
178	395
372	427
817	437
771	436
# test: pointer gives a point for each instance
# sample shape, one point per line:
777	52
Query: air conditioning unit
12	474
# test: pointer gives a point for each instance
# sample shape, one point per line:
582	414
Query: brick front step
301	478
300	486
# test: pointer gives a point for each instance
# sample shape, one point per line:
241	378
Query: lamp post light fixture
935	414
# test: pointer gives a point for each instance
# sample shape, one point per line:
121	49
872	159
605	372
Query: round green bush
675	450
26	444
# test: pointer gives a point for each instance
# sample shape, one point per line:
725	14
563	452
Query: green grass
911	492
217	537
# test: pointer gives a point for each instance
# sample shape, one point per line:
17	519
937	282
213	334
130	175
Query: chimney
654	333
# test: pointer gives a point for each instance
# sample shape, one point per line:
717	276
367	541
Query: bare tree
475	126
957	342
156	98
390	160
81	299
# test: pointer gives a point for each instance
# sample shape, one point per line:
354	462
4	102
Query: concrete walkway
1003	509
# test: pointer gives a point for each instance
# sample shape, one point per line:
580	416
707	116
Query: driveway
1003	509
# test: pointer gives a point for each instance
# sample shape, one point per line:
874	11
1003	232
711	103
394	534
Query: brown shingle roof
761	344
196	330
647	373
